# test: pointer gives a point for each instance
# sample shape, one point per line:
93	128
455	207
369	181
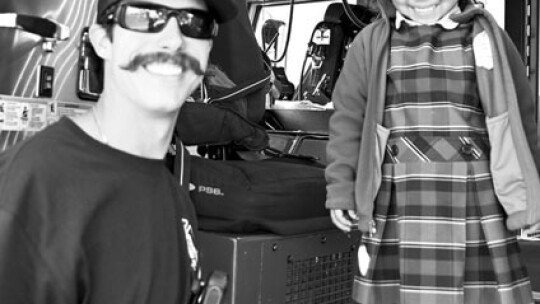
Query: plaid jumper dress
441	235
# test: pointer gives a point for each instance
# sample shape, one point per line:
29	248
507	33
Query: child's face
424	11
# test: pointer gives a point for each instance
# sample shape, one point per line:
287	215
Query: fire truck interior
281	59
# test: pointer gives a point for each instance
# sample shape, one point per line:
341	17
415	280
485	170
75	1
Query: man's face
424	11
158	70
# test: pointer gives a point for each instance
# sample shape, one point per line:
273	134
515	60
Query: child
433	154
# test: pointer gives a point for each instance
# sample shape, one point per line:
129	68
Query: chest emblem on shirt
192	250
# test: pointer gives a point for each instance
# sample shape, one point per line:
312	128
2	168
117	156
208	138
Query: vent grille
321	279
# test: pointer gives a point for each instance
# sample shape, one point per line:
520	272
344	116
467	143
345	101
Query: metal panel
39	38
311	269
295	119
22	53
263	269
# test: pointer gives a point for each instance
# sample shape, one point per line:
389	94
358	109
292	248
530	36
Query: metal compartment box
315	268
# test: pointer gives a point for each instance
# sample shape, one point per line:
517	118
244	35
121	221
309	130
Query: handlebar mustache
185	61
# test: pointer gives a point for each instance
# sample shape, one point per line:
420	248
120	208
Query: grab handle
51	31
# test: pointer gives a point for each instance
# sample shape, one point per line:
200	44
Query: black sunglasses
152	18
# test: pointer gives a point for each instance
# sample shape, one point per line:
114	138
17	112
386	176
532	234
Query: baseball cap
222	10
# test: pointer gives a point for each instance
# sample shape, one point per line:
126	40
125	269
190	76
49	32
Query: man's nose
171	37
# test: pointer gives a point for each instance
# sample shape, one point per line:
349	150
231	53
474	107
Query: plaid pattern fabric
431	87
417	148
441	236
441	239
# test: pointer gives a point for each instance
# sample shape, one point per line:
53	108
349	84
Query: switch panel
45	81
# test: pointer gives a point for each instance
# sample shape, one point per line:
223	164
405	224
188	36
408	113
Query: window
306	16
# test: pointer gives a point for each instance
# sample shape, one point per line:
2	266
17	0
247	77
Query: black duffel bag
272	195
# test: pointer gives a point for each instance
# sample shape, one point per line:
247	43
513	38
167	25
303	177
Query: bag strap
243	89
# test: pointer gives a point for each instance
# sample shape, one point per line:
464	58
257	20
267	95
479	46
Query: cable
349	12
300	86
302	71
270	27
291	13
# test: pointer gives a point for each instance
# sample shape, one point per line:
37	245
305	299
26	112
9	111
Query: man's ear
100	40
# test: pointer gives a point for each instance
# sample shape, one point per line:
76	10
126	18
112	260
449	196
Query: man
88	211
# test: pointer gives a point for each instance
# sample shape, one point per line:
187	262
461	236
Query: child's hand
345	220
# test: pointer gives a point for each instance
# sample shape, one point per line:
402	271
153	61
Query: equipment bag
275	196
223	126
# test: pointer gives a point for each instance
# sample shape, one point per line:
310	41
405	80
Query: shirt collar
445	21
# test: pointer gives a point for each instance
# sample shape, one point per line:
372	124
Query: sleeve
526	100
18	277
345	128
25	277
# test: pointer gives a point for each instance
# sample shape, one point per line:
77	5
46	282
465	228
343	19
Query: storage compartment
301	269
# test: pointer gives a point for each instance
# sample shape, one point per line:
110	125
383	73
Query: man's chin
164	105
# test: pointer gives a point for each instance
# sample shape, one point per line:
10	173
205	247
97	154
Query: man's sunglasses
152	18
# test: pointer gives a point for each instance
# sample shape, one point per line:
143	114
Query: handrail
49	29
